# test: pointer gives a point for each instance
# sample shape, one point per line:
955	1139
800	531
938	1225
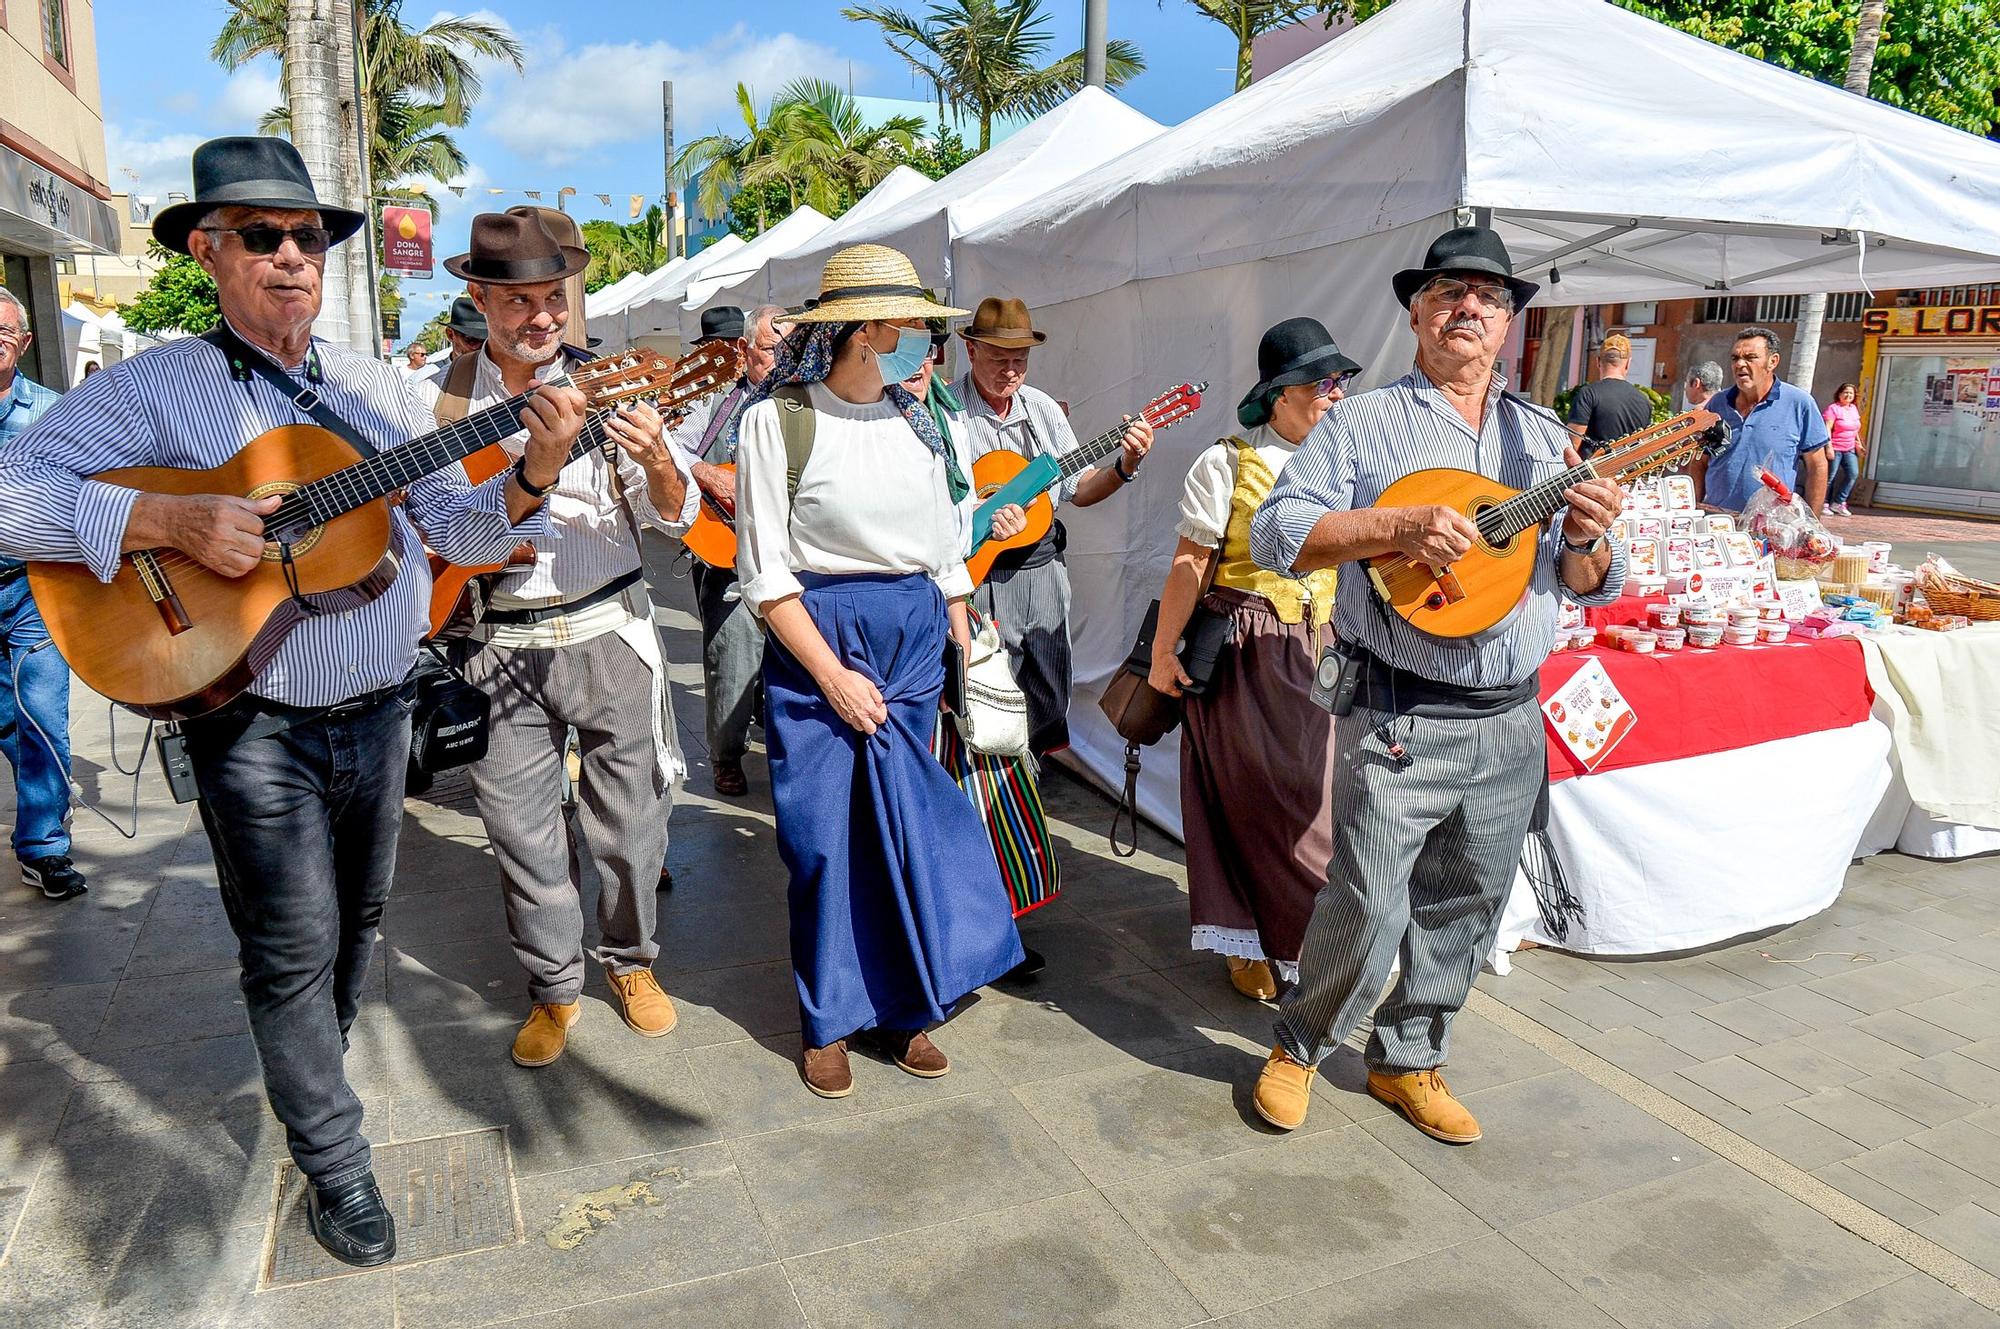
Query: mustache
1465	325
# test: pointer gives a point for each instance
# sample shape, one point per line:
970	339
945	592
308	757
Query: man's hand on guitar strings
553	418
640	431
1436	535
1009	521
223	533
718	484
1137	442
1594	506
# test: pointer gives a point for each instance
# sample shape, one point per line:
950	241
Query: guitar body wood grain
1482	588
989	473
123	644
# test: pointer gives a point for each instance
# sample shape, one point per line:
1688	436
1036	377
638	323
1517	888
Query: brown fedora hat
1003	323
509	249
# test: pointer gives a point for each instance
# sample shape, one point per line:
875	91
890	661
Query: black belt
616	586
259	717
1384	687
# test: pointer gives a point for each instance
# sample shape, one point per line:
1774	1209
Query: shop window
55	31
1988	294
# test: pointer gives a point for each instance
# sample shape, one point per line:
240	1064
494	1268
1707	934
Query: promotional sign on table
406	241
1589	715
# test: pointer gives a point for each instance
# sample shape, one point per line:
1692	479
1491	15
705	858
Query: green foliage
1248	20
619	249
179	298
940	155
1937	58
1663	405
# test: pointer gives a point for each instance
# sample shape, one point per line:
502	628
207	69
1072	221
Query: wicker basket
1970	604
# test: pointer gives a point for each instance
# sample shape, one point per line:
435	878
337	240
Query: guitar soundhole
1493	546
299	546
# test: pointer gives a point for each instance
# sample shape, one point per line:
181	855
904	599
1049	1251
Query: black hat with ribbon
720	323
1475	250
249	171
515	249
1298	350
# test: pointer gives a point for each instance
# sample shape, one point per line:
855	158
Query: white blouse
1211	481
872	499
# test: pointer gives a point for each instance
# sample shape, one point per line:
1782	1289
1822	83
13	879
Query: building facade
54	202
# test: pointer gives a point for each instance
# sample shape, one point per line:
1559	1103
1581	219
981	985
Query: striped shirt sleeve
1317	480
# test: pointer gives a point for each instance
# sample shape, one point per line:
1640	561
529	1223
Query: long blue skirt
897	906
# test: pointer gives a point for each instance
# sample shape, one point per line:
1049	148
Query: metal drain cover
450	1194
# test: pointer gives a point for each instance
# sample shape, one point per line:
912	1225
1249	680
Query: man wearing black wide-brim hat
1439	765
301	779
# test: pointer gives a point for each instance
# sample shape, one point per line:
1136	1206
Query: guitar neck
1533	506
1090	454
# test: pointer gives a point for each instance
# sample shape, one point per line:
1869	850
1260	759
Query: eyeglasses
1332	383
269	239
1492	297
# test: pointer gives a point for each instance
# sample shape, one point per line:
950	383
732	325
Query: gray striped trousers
1423	858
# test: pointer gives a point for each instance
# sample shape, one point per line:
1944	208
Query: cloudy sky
586	111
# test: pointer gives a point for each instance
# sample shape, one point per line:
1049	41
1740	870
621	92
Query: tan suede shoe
825	1070
1284	1091
1422	1098
646	1009
1252	978
543	1037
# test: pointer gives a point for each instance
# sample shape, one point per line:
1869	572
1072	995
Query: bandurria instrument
1488	581
172	639
706	369
1001	478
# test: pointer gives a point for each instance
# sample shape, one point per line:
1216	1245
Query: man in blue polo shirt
34	726
1767	418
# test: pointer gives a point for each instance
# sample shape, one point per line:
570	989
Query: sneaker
54	876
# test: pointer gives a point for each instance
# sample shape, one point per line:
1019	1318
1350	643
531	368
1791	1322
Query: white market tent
745	264
1659	167
1086	131
754	288
652	309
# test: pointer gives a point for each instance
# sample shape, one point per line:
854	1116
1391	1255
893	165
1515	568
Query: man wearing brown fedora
1026	595
568	642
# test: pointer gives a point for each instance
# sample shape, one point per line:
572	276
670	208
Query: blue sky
586	112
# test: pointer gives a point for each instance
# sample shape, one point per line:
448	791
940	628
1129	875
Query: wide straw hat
865	282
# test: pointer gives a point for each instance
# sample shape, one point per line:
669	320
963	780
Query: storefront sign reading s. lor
1933	321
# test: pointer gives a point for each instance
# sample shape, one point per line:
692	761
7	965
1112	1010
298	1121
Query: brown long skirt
1257	788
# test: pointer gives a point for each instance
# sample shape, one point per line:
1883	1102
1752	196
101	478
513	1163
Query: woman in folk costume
850	554
1256	757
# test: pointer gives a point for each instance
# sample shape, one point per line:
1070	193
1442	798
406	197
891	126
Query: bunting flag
496	191
604	200
638	204
534	194
457	189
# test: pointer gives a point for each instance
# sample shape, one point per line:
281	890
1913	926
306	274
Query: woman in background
1843	424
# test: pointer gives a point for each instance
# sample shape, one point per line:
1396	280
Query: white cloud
159	163
571	102
249	93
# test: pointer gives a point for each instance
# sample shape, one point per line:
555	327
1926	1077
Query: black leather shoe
352	1222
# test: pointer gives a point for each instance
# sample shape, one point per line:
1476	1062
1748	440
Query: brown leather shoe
546	1032
1424	1101
1252	978
825	1070
646	1009
1284	1091
914	1052
730	781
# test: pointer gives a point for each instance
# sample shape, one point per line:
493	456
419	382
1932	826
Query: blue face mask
913	347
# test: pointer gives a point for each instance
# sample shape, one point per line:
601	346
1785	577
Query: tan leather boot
646	1009
543	1037
1284	1091
1422	1098
1252	978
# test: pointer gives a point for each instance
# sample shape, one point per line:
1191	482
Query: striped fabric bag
1004	791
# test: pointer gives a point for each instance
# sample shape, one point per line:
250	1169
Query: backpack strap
796	422
454	401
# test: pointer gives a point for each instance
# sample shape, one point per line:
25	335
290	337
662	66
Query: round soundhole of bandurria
272	553
1475	511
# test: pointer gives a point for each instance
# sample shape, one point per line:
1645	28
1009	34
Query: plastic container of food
1705	636
1671	639
1743	616
1878	554
1769	609
1663	616
1740	634
1774	631
1640	641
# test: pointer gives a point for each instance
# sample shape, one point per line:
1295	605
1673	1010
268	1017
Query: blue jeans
41	779
304	825
1846	470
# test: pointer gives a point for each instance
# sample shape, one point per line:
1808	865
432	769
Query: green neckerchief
942	403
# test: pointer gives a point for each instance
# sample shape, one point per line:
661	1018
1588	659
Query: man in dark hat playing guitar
1439	763
568	641
301	778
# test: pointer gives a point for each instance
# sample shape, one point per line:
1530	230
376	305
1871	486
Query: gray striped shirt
176	405
1368	442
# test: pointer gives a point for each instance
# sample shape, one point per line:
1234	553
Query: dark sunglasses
269	239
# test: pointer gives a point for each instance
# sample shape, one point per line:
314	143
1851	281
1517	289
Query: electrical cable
138	768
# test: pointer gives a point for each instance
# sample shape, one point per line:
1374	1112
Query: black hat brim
1316	364
1411	280
173	225
460	266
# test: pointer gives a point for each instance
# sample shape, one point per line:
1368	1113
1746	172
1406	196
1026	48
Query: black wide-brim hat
721	323
249	171
466	320
1472	249
515	248
1298	350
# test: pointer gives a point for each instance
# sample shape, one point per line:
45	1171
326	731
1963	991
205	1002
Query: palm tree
619	249
824	151
1248	20
410	145
982	56
724	161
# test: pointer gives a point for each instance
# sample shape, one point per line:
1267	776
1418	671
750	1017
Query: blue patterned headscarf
808	358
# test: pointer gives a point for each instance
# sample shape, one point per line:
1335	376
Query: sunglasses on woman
262	239
1331	384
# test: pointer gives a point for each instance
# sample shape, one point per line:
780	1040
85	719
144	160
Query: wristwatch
1586	551
1119	467
542	491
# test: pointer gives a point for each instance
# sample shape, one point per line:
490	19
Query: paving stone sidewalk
1091	1160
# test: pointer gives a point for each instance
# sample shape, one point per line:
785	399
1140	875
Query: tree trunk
1812	310
313	94
1553	354
363	283
985	128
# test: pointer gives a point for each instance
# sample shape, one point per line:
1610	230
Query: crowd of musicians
1321	852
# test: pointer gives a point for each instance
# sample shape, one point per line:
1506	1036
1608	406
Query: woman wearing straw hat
1256	768
849	551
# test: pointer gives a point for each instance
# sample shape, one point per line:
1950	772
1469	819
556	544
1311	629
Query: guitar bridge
160	590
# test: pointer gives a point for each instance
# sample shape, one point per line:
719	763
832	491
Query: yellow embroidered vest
1288	596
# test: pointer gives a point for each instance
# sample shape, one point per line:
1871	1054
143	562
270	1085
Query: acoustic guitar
1487	582
1001	478
171	639
705	369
